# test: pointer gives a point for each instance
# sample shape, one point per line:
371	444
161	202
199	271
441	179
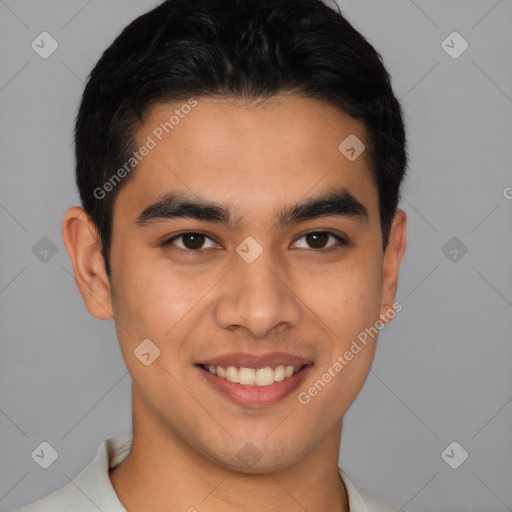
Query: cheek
159	303
347	298
152	295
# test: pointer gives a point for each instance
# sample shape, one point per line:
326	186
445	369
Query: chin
251	460
263	466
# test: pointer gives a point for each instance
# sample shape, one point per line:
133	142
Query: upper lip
256	361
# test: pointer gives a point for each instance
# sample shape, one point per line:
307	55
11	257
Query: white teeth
246	376
232	374
265	376
250	377
279	373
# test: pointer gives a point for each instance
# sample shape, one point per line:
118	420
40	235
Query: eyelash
341	241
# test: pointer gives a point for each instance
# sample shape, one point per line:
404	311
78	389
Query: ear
83	245
391	264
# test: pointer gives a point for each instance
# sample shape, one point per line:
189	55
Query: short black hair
249	49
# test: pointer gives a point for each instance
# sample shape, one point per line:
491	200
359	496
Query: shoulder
67	498
91	489
361	500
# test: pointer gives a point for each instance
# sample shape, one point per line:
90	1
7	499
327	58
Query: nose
258	297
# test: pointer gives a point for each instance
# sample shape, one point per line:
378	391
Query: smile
253	377
255	381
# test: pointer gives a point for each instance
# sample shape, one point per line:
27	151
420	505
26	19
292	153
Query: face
251	294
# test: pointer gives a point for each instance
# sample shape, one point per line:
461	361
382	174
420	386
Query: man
239	165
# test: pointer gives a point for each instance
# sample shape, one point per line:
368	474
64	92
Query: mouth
255	380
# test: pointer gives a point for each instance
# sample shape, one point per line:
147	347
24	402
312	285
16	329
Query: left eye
318	239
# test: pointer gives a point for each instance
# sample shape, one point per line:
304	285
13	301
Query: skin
295	297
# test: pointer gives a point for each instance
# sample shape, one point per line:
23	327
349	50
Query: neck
163	473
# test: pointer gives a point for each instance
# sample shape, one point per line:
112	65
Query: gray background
442	369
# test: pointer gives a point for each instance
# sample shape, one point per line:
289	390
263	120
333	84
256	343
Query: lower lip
256	395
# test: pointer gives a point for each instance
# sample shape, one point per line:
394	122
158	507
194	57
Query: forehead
262	153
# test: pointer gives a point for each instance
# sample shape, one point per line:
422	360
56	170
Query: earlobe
83	245
391	264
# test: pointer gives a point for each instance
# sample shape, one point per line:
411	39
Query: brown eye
191	241
319	239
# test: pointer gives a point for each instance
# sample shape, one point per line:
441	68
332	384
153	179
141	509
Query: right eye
192	241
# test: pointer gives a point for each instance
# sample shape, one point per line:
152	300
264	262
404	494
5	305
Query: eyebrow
339	203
